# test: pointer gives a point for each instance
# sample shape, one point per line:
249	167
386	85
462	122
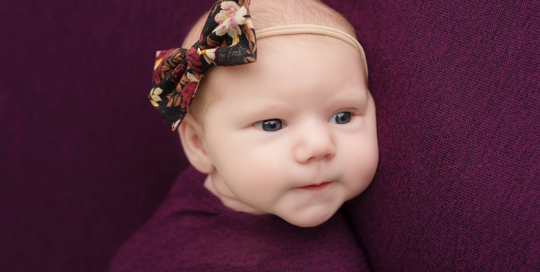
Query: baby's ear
192	137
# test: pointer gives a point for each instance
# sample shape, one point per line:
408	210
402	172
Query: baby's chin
309	217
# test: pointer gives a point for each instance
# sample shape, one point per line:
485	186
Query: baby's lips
316	187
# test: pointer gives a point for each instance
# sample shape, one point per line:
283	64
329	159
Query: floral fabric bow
228	38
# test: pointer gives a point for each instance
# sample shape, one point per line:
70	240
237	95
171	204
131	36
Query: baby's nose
313	142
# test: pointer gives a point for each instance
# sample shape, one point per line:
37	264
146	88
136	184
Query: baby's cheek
259	192
361	163
255	180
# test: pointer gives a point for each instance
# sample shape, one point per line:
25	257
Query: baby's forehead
288	69
278	53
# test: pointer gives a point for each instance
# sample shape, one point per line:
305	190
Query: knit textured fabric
194	231
457	90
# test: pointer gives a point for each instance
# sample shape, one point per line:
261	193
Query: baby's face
293	134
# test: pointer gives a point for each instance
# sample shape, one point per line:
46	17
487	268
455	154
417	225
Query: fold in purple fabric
194	231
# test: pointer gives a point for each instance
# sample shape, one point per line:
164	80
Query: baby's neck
229	201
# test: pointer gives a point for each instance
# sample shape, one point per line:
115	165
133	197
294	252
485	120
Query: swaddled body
193	231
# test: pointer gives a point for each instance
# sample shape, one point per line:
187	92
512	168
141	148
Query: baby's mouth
318	187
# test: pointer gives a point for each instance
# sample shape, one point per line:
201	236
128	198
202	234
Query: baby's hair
266	13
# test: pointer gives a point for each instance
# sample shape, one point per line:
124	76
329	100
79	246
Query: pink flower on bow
229	19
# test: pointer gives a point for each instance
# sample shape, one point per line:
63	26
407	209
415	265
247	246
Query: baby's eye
269	125
341	118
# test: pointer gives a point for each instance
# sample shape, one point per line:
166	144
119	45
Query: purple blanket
457	88
194	231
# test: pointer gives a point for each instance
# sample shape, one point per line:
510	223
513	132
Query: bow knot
228	38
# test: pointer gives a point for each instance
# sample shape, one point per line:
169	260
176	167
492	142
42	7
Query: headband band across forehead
228	38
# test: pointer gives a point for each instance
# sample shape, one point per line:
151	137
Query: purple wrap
194	231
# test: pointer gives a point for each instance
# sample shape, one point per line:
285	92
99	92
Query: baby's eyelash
276	124
341	118
269	125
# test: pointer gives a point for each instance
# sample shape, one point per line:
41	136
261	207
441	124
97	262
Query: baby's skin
293	134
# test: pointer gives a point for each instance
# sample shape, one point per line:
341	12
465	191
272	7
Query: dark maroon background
85	159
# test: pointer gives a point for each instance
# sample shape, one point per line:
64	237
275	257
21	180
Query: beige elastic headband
314	30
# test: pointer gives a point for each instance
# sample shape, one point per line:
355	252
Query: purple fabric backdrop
457	88
85	160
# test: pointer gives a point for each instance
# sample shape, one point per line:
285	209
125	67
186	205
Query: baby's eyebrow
348	98
266	107
359	100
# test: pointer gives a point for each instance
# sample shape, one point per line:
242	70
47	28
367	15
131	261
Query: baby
290	133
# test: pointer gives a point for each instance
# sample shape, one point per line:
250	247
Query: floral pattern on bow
177	72
229	19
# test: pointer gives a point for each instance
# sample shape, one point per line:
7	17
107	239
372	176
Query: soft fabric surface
457	89
194	231
85	160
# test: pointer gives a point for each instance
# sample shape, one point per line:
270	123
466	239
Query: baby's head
292	134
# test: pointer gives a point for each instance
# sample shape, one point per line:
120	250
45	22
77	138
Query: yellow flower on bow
154	96
208	54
